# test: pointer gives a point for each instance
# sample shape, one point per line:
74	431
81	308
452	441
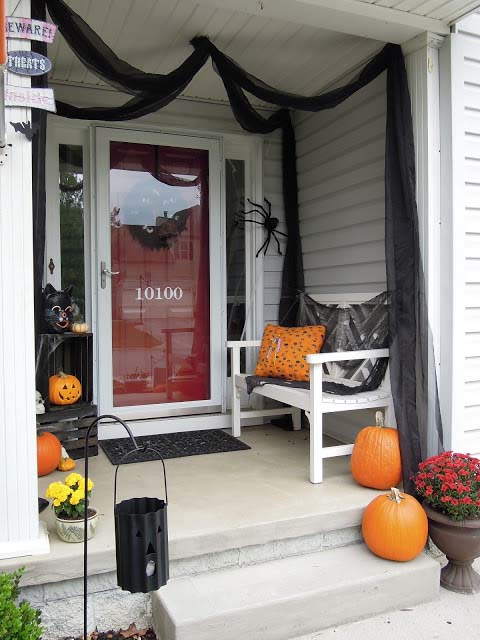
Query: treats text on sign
28	63
26	97
28	29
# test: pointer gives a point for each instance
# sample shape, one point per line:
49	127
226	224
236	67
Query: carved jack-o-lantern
64	389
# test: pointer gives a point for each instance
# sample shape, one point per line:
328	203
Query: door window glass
159	220
235	250
72	224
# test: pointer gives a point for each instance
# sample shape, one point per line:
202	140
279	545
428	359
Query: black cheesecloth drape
151	92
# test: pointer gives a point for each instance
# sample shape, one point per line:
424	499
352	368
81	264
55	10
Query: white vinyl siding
341	157
272	189
469	30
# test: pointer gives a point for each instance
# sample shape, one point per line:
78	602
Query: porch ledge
219	504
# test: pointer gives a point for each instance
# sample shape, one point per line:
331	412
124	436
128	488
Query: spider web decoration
268	222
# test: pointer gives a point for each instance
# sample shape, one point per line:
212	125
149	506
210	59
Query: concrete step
265	541
294	596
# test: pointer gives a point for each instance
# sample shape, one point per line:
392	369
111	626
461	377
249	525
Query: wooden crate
70	425
68	352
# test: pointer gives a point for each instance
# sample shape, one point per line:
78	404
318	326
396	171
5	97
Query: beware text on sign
28	63
26	97
28	29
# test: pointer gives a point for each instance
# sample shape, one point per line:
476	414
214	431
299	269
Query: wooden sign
27	97
28	63
28	29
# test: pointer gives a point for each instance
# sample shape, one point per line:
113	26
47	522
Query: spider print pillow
284	349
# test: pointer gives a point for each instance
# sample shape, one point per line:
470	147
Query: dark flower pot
460	542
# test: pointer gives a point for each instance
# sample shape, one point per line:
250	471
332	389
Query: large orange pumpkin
49	451
395	526
376	461
64	389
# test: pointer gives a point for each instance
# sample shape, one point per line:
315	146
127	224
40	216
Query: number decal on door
159	293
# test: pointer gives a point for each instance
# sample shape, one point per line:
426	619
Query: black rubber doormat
173	445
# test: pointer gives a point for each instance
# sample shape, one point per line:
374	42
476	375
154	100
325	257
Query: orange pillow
284	349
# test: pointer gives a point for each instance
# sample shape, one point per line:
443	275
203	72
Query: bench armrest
321	358
238	344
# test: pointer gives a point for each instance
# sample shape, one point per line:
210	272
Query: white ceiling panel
447	11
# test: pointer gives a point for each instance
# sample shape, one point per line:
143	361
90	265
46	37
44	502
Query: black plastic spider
269	223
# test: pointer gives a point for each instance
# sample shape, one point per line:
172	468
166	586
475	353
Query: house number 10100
159	293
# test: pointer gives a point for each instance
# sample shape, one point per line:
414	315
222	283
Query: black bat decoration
162	234
26	128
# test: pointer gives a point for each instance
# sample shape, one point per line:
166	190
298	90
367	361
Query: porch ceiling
154	35
447	11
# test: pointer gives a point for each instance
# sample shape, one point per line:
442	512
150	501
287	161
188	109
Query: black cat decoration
57	309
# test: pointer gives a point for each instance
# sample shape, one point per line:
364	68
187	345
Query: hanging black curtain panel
39	121
151	92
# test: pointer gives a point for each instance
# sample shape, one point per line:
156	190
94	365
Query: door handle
104	272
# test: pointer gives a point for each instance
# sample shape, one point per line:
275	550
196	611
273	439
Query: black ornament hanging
26	128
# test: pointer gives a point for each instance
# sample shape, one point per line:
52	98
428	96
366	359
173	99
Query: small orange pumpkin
395	526
64	389
80	327
49	451
376	461
66	463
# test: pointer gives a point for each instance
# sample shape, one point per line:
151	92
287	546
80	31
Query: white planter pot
73	530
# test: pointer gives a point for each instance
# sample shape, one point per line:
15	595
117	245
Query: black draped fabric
404	278
402	247
39	119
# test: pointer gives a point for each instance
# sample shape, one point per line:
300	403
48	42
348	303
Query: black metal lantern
141	533
141	539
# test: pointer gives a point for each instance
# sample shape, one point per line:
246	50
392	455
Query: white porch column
422	64
453	248
19	524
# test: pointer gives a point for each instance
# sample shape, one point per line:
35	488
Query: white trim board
23	548
174	424
346	16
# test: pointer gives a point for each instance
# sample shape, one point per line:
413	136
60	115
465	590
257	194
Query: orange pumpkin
66	463
376	461
395	526
49	451
64	389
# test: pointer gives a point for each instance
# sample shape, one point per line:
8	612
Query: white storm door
159	279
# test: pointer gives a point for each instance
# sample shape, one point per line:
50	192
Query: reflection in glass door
160	288
160	317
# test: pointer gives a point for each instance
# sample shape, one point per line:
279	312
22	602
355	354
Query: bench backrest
344	300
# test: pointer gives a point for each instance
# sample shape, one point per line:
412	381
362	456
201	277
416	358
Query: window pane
161	284
235	204
72	224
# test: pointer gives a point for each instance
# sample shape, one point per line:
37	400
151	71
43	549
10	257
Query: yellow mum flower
81	484
73	478
56	503
53	489
76	496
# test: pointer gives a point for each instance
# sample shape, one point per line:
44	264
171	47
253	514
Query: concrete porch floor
217	502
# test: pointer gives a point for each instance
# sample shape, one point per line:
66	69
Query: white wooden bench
313	401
